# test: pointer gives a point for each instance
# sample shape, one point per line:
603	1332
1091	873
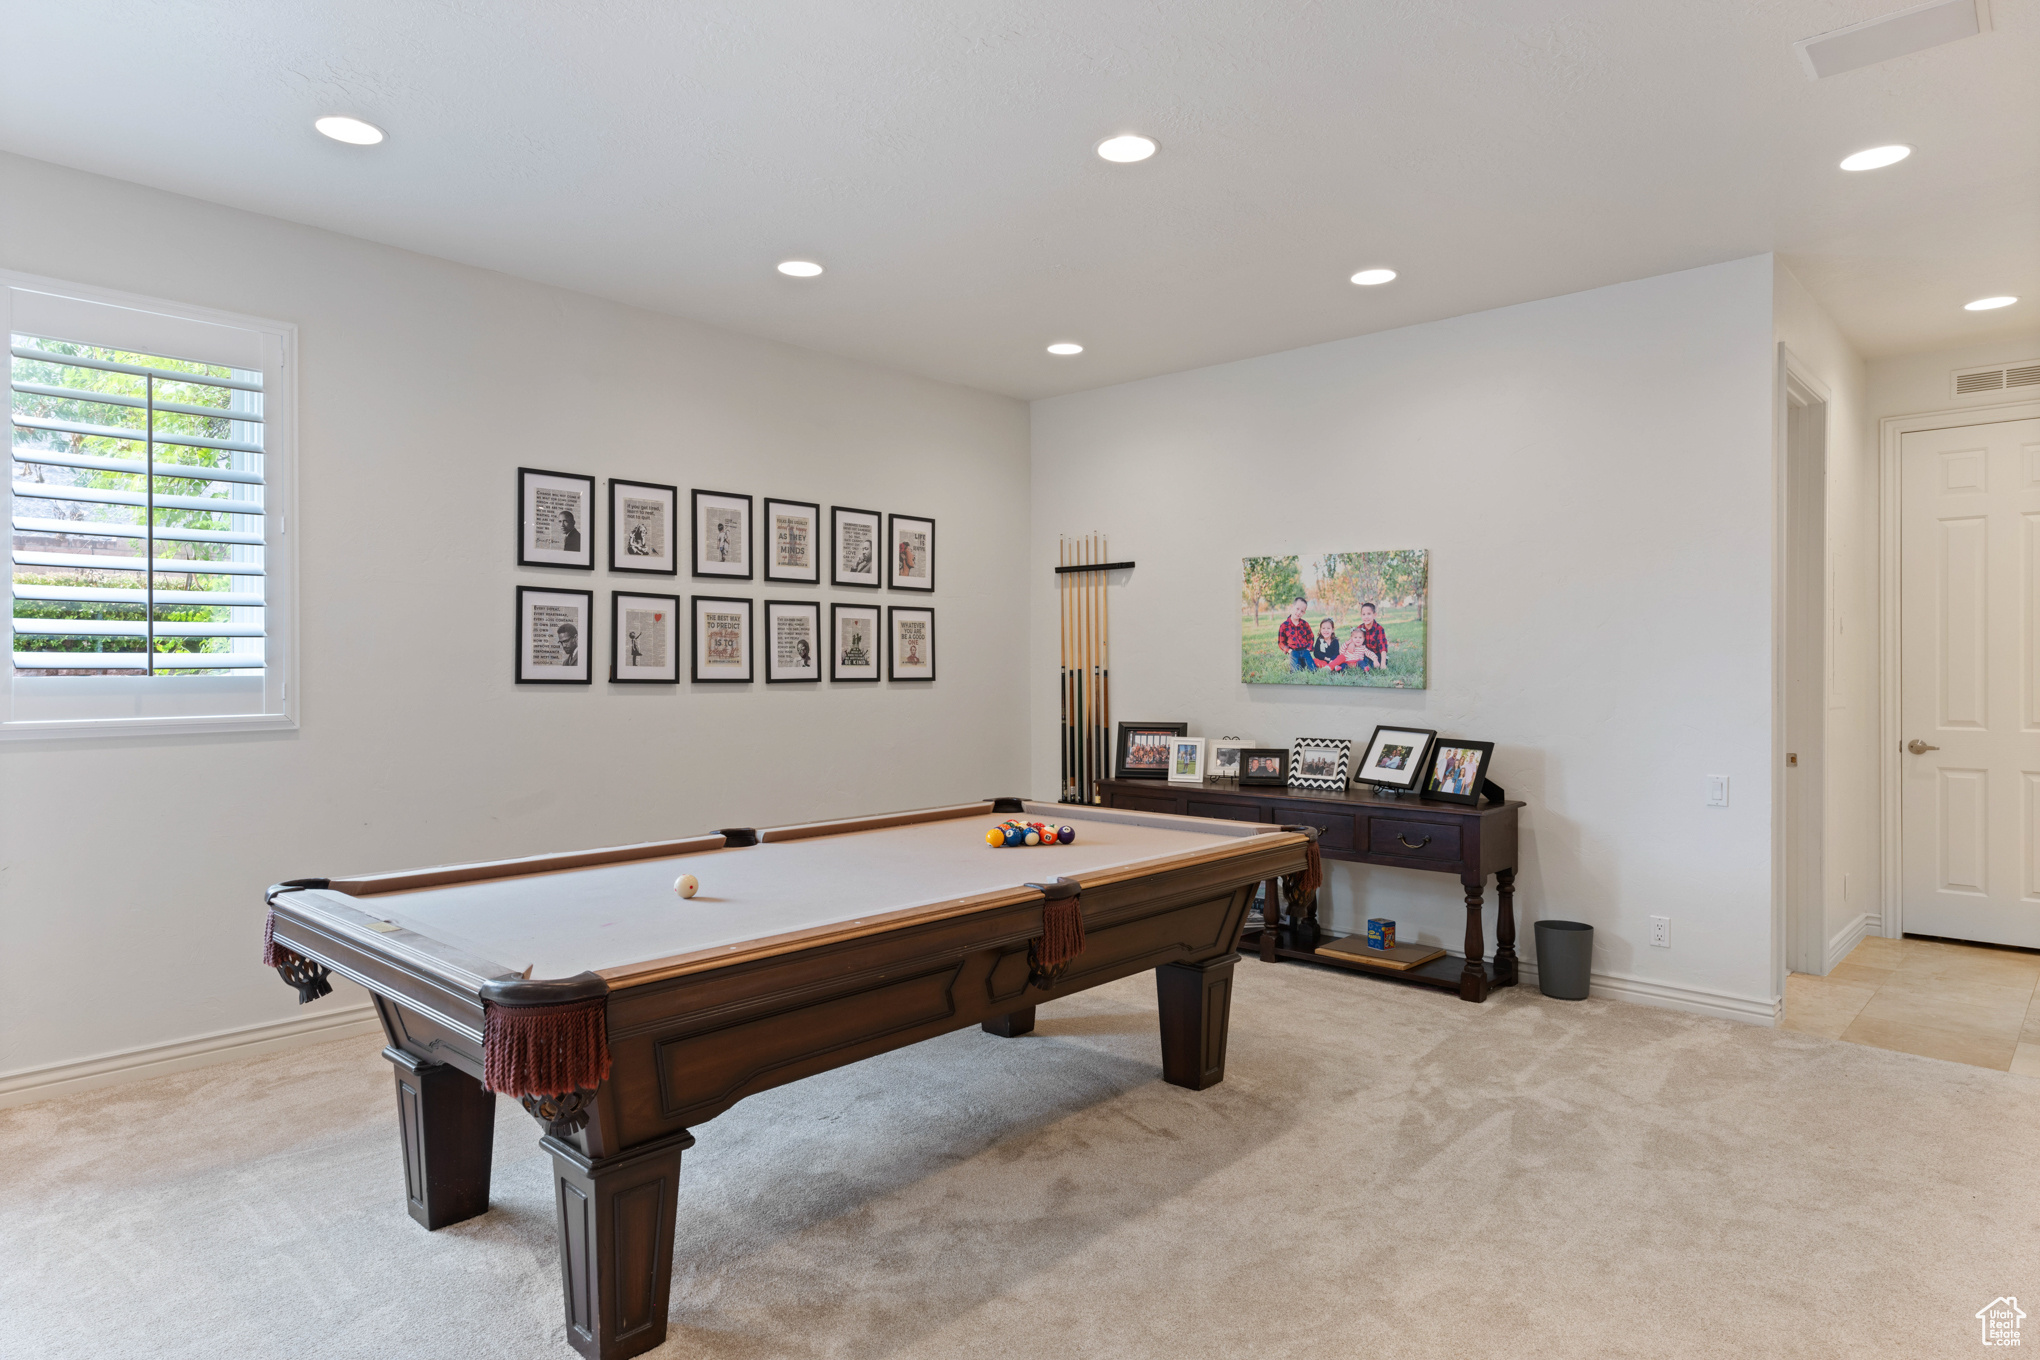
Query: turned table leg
1011	1025
1505	928
448	1124
1473	979
1196	1004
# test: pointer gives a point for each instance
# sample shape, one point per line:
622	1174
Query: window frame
278	710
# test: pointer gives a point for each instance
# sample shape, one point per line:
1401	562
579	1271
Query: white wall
1593	477
1917	383
132	870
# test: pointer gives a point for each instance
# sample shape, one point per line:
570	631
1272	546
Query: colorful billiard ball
1066	834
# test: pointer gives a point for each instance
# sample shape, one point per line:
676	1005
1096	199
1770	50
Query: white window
149	504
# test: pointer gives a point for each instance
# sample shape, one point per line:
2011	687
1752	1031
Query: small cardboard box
1380	933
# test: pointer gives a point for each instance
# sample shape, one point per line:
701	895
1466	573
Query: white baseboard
134	1064
1749	1010
1853	934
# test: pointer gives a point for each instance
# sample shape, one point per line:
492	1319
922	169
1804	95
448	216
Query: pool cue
1062	675
1097	731
1084	671
1069	697
1104	645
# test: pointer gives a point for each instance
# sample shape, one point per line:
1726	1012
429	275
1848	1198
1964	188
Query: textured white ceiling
937	157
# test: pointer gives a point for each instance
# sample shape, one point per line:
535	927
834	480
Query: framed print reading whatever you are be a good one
793	642
644	638
555	519
722	535
910	643
722	641
793	541
641	520
911	555
854	547
554	628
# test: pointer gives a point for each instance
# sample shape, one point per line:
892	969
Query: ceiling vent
1998	377
1892	35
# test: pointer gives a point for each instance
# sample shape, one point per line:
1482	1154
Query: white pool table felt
612	915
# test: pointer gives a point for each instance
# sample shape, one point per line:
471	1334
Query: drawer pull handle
1414	845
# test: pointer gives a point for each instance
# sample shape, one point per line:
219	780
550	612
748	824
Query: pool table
806	948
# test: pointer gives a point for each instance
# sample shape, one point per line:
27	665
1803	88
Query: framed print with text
722	641
793	541
555	519
910	555
722	535
554	629
644	638
853	642
793	642
854	546
910	643
642	517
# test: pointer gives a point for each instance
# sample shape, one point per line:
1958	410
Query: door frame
1890	721
1799	887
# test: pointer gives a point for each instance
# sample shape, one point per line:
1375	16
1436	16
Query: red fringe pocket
1313	869
1062	933
274	955
546	1050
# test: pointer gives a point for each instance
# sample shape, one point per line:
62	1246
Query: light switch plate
1717	790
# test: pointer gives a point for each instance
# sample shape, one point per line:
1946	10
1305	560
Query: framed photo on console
910	643
554	628
1320	763
1224	756
793	541
644	638
911	553
854	547
555	519
1264	765
642	517
1186	760
722	535
853	642
1457	770
1144	748
793	642
722	640
1394	758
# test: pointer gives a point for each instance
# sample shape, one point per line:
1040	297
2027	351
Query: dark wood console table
1368	828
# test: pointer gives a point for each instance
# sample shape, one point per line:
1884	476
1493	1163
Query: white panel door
1970	681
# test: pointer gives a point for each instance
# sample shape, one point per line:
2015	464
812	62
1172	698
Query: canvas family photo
1335	619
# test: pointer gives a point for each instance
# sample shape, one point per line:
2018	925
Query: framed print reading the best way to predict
722	535
555	519
853	642
641	520
793	641
722	640
553	633
854	546
644	638
793	541
912	556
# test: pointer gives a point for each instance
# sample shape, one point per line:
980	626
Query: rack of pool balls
1029	833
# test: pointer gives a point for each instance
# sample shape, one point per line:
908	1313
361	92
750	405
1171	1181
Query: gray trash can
1565	959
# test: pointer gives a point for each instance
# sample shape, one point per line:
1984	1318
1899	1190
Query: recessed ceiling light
799	269
1876	158
1127	148
1367	278
1065	347
352	131
1988	304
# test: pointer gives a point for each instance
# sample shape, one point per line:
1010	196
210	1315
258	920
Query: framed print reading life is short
641	520
853	642
793	541
553	633
793	642
1395	757
722	640
912	554
911	643
722	535
555	519
853	546
644	638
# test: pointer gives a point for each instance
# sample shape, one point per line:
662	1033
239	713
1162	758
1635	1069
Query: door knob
1919	748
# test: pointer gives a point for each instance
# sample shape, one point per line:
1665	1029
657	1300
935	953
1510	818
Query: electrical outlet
1661	932
1717	790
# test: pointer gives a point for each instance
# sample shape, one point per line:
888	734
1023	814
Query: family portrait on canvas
1335	619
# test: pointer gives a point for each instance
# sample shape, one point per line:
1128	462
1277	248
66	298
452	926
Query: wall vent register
1997	377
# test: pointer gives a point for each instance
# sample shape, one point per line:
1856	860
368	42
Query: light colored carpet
1385	1171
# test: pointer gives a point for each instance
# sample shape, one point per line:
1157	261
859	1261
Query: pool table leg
448	1124
1196	1004
1011	1025
616	1242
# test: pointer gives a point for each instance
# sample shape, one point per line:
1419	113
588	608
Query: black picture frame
837	674
695	641
874	576
817	643
621	553
893	661
530	551
1251	755
1413	771
770	555
1440	750
620	638
896	577
1129	730
522	641
721	571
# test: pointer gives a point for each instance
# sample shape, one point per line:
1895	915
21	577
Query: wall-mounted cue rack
1086	667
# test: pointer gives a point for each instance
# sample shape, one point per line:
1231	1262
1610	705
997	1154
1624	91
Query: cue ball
685	885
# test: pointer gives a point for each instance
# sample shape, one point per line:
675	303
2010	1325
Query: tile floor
1957	1002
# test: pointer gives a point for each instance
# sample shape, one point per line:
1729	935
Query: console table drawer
1413	840
1144	802
1335	828
1230	812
